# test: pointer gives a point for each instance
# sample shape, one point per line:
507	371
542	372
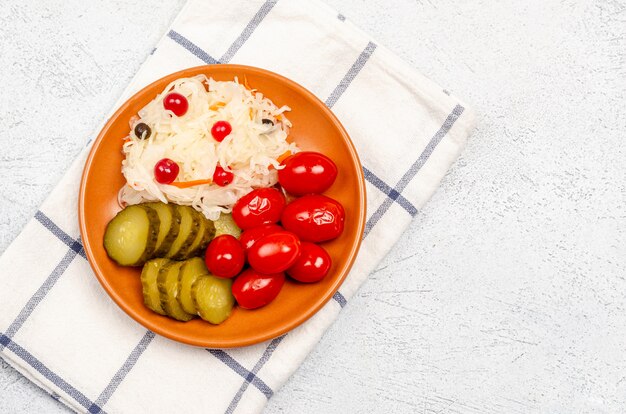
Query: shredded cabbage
251	151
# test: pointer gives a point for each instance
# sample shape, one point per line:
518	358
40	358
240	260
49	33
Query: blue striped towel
60	329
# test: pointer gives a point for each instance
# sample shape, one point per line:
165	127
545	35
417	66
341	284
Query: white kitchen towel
60	329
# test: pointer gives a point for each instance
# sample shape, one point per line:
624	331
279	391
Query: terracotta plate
314	128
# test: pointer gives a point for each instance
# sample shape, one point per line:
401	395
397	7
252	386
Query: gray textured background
507	293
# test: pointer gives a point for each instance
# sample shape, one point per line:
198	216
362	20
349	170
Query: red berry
166	171
176	103
222	177
220	130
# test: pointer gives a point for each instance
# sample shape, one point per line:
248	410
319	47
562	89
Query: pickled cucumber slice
167	283
151	297
168	229
213	298
226	225
131	236
205	235
189	273
174	231
189	227
209	234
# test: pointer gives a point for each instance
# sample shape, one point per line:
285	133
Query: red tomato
253	289
166	171
260	206
224	256
275	252
314	218
176	103
312	265
307	172
250	236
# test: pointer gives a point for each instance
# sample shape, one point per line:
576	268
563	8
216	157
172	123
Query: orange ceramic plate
314	128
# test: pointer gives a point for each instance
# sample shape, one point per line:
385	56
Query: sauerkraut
251	151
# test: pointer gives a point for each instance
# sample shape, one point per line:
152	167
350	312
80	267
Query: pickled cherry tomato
166	171
251	236
312	265
176	103
222	177
224	256
260	206
275	252
314	218
220	130
252	289
307	172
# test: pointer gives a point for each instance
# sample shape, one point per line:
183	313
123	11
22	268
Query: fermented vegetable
169	224
242	141
149	274
167	283
213	298
189	228
190	271
131	236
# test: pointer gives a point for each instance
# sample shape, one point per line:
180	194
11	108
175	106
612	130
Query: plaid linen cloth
60	329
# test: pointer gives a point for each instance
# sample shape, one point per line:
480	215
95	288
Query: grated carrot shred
216	106
282	158
245	83
187	184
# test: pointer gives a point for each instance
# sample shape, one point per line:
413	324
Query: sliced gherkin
189	227
167	283
131	236
168	229
189	273
225	224
213	298
204	236
149	274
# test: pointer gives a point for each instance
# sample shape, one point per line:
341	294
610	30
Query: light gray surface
508	292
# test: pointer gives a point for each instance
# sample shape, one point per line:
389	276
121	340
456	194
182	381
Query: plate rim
250	339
